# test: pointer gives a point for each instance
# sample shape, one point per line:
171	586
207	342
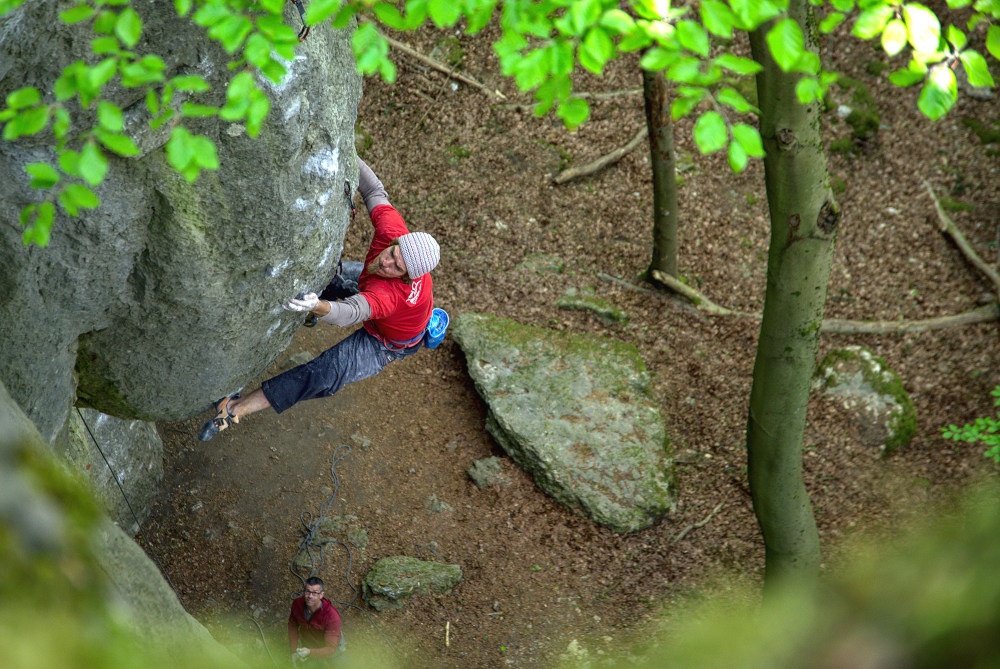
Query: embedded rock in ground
576	413
883	415
109	452
488	472
169	294
392	580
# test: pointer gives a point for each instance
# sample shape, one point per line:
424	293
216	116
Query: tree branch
701	523
603	161
949	228
441	67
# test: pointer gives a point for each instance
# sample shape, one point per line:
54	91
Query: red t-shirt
321	633
400	311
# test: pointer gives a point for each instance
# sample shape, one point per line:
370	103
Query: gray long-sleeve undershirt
371	189
351	311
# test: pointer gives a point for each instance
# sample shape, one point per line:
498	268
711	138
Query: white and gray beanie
421	253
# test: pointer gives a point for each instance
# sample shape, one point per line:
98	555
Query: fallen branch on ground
603	161
949	228
441	67
984	314
701	523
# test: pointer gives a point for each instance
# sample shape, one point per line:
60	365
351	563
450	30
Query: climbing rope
149	545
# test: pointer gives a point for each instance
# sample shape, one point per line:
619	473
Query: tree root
603	161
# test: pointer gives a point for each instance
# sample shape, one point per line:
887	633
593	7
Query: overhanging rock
576	413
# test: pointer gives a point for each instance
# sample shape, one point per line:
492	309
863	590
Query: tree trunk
803	228
661	158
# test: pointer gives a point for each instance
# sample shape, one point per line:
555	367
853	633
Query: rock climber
391	293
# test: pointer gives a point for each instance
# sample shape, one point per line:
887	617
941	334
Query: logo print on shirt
415	288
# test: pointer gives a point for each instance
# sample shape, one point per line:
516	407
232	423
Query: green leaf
617	21
192	109
389	15
24	97
647	9
894	37
842	5
737	157
682	106
717	18
104	24
598	48
69	162
733	98
737	64
656	59
318	11
183	7
387	70
204	153
749	139
976	68
27	122
831	21
956	38
257	113
685	70
938	94
190	83
231	31
120	144
443	13
104	45
573	112
180	148
42	175
38	231
93	164
77	196
907	76
786	43
109	116
922	26
693	37
710	132
60	122
807	89
871	22
101	73
993	41
76	14
128	27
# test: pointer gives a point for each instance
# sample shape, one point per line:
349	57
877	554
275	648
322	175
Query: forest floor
478	175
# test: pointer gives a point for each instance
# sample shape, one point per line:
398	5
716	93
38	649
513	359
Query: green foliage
985	431
542	44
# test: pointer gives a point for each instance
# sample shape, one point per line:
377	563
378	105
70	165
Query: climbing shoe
223	419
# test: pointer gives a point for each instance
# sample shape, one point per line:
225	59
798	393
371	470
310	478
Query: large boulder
105	603
576	413
168	295
393	580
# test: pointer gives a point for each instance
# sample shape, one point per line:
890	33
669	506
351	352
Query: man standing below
394	301
313	624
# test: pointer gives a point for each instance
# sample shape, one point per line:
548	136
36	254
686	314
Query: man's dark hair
314	580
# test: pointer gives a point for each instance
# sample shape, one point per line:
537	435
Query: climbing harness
304	32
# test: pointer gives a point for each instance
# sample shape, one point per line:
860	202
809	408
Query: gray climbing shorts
358	356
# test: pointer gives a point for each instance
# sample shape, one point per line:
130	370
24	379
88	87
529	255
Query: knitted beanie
421	253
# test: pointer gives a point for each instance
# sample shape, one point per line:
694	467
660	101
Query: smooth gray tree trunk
803	229
661	159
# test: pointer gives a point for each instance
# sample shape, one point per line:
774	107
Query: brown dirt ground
477	176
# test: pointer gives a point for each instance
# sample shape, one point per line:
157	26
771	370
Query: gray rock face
881	409
393	580
168	296
133	450
46	519
575	412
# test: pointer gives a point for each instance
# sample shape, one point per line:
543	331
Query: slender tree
663	164
803	228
